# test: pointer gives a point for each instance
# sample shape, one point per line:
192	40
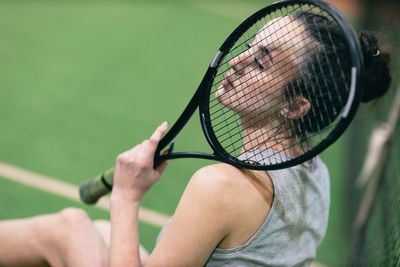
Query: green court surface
82	81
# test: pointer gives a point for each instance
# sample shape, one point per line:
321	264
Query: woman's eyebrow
261	47
265	48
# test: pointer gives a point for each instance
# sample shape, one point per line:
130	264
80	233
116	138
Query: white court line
69	191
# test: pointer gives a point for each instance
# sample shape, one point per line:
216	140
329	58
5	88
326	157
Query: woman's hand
134	171
134	175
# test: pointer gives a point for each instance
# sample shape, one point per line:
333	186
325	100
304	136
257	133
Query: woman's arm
195	229
210	213
134	175
201	221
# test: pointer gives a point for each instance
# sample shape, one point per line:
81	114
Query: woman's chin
219	93
222	97
226	99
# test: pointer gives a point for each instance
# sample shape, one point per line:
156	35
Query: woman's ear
297	109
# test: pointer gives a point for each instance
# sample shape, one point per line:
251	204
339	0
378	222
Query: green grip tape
90	191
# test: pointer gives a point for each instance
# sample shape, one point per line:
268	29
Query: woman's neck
274	136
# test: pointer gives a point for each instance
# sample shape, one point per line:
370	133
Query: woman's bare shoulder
205	216
221	170
229	182
232	194
220	176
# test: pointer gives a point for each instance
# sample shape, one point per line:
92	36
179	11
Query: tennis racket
282	87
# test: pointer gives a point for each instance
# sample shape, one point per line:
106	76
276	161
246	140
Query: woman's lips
227	82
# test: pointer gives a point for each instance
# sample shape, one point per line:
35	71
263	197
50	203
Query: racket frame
201	97
92	190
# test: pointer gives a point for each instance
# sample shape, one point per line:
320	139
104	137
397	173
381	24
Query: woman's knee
73	216
75	236
71	224
66	225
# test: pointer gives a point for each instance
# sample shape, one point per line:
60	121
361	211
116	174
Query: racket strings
293	136
217	83
257	115
216	103
223	71
290	151
256	95
240	48
273	134
241	44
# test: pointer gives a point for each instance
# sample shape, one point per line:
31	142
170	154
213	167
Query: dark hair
325	108
376	67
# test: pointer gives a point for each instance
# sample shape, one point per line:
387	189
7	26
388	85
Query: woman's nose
240	62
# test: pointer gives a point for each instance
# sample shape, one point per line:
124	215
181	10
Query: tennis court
83	81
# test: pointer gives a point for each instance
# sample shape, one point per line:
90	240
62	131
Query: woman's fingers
134	171
159	132
156	137
143	154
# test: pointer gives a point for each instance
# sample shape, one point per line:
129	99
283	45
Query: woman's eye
259	66
265	50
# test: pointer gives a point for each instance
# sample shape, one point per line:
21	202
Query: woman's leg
66	238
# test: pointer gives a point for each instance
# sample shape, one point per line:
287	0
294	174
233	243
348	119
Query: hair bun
369	45
376	67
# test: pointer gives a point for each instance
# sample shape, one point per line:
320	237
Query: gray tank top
296	223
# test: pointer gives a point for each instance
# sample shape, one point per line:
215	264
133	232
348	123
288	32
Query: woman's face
254	86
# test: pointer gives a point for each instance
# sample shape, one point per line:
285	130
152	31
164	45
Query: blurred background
82	81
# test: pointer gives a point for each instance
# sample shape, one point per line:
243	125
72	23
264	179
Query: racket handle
90	191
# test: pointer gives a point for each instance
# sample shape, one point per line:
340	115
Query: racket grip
90	191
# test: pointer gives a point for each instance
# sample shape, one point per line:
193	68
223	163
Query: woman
233	217
226	216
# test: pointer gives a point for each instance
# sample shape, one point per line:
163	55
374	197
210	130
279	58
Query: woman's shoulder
232	186
234	194
222	172
217	180
219	177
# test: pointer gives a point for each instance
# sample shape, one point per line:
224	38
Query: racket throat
178	155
